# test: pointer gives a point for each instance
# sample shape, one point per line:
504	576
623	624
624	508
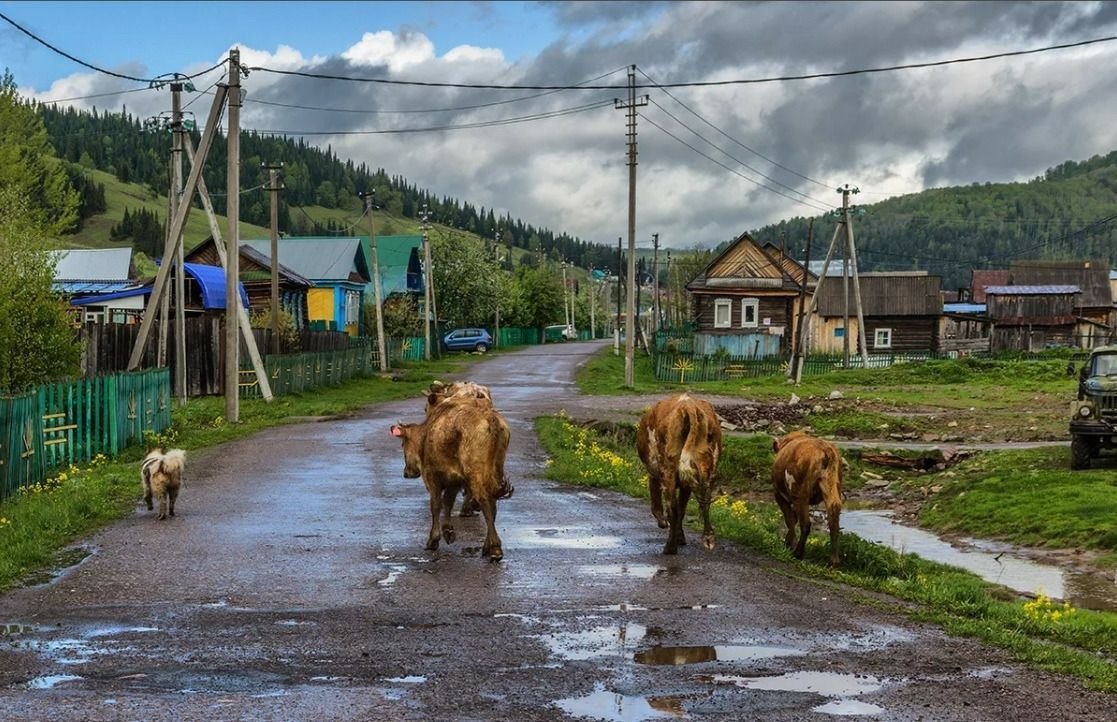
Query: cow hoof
432	545
449	534
496	555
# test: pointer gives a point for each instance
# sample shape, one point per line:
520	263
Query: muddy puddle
564	538
666	655
604	704
992	562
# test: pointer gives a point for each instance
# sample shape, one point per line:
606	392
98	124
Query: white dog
161	474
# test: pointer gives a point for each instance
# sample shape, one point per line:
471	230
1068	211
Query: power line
95	95
734	171
81	62
719	130
462	126
692	84
728	155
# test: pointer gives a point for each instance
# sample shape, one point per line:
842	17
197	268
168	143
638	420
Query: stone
835	394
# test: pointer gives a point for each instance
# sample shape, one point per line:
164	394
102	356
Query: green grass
1030	498
1080	643
38	524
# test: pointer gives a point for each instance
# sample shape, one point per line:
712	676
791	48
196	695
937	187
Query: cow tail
692	429
504	488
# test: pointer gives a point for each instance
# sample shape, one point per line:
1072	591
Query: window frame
727	304
754	304
877	334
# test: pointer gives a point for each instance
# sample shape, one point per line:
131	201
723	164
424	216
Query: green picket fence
514	336
298	372
407	348
69	423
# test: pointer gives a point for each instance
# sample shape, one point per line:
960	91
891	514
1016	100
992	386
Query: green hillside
1070	212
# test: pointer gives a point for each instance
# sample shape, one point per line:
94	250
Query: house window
882	338
749	309
839	332
723	312
352	307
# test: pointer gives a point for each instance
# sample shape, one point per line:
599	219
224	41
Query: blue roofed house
338	269
100	284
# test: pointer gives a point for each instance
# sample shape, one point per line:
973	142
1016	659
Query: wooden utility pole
800	338
593	302
232	247
851	253
496	245
164	307
218	245
669	312
617	325
273	189
655	283
629	322
175	232
180	255
427	295
369	199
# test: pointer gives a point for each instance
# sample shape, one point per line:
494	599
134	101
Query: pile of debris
773	418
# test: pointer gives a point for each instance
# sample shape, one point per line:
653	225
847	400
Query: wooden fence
69	423
298	372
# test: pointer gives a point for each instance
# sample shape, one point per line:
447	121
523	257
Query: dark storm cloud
580	14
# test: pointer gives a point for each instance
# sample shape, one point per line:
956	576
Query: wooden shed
1031	318
1093	307
901	309
745	301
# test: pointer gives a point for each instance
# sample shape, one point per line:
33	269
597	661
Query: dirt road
293	585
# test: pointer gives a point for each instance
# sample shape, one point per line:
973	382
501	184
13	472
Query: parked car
559	332
468	339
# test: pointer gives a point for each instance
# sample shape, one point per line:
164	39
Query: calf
459	445
679	441
460	392
808	471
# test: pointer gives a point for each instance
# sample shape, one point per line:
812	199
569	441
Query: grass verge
39	523
1052	637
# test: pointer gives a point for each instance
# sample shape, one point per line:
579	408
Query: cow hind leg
448	495
492	547
655	492
669	504
680	512
833	512
789	520
804	514
469	506
436	510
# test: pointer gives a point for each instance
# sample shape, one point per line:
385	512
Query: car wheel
481	348
1080	448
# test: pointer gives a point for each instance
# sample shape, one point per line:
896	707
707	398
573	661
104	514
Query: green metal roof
393	254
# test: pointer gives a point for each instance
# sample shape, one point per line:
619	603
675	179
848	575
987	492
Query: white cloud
386	48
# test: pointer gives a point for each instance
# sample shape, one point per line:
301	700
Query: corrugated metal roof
126	293
96	264
963	308
78	288
318	259
1091	277
398	262
1050	290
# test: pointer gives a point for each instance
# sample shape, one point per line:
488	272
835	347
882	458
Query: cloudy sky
714	159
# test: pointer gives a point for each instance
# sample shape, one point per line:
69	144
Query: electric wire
755	152
810	204
728	155
692	84
49	101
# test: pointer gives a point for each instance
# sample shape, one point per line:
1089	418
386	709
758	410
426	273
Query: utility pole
655	283
424	214
369	199
232	247
617	325
496	245
851	253
800	338
274	187
565	308
180	258
629	322
670	296
593	302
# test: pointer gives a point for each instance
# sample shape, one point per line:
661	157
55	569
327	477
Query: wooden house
902	310
745	301
1031	318
1093	307
255	275
338	269
398	261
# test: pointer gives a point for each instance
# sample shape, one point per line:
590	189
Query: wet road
293	585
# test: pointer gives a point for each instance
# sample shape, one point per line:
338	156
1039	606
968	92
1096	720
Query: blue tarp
98	300
211	280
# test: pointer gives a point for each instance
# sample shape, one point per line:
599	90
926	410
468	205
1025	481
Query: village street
293	585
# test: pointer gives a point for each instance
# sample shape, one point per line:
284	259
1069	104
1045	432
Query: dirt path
293	586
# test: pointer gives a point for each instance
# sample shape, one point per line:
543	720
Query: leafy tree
26	167
37	343
401	316
541	292
465	280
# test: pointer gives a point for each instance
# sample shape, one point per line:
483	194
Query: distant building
901	310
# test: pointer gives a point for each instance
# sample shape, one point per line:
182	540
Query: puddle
848	707
112	631
715	653
295	623
565	538
409	679
601	704
639	571
992	563
596	642
63	563
827	684
51	681
394	572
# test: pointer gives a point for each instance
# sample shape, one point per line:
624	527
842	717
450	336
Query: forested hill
119	144
1070	212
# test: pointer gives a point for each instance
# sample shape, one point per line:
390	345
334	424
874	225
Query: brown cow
808	471
460	392
679	441
459	445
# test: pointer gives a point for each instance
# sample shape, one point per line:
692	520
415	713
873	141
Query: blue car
468	339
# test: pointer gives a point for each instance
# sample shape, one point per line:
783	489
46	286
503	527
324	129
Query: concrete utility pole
496	245
274	187
424	214
180	256
629	323
232	247
593	300
655	283
565	308
369	199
